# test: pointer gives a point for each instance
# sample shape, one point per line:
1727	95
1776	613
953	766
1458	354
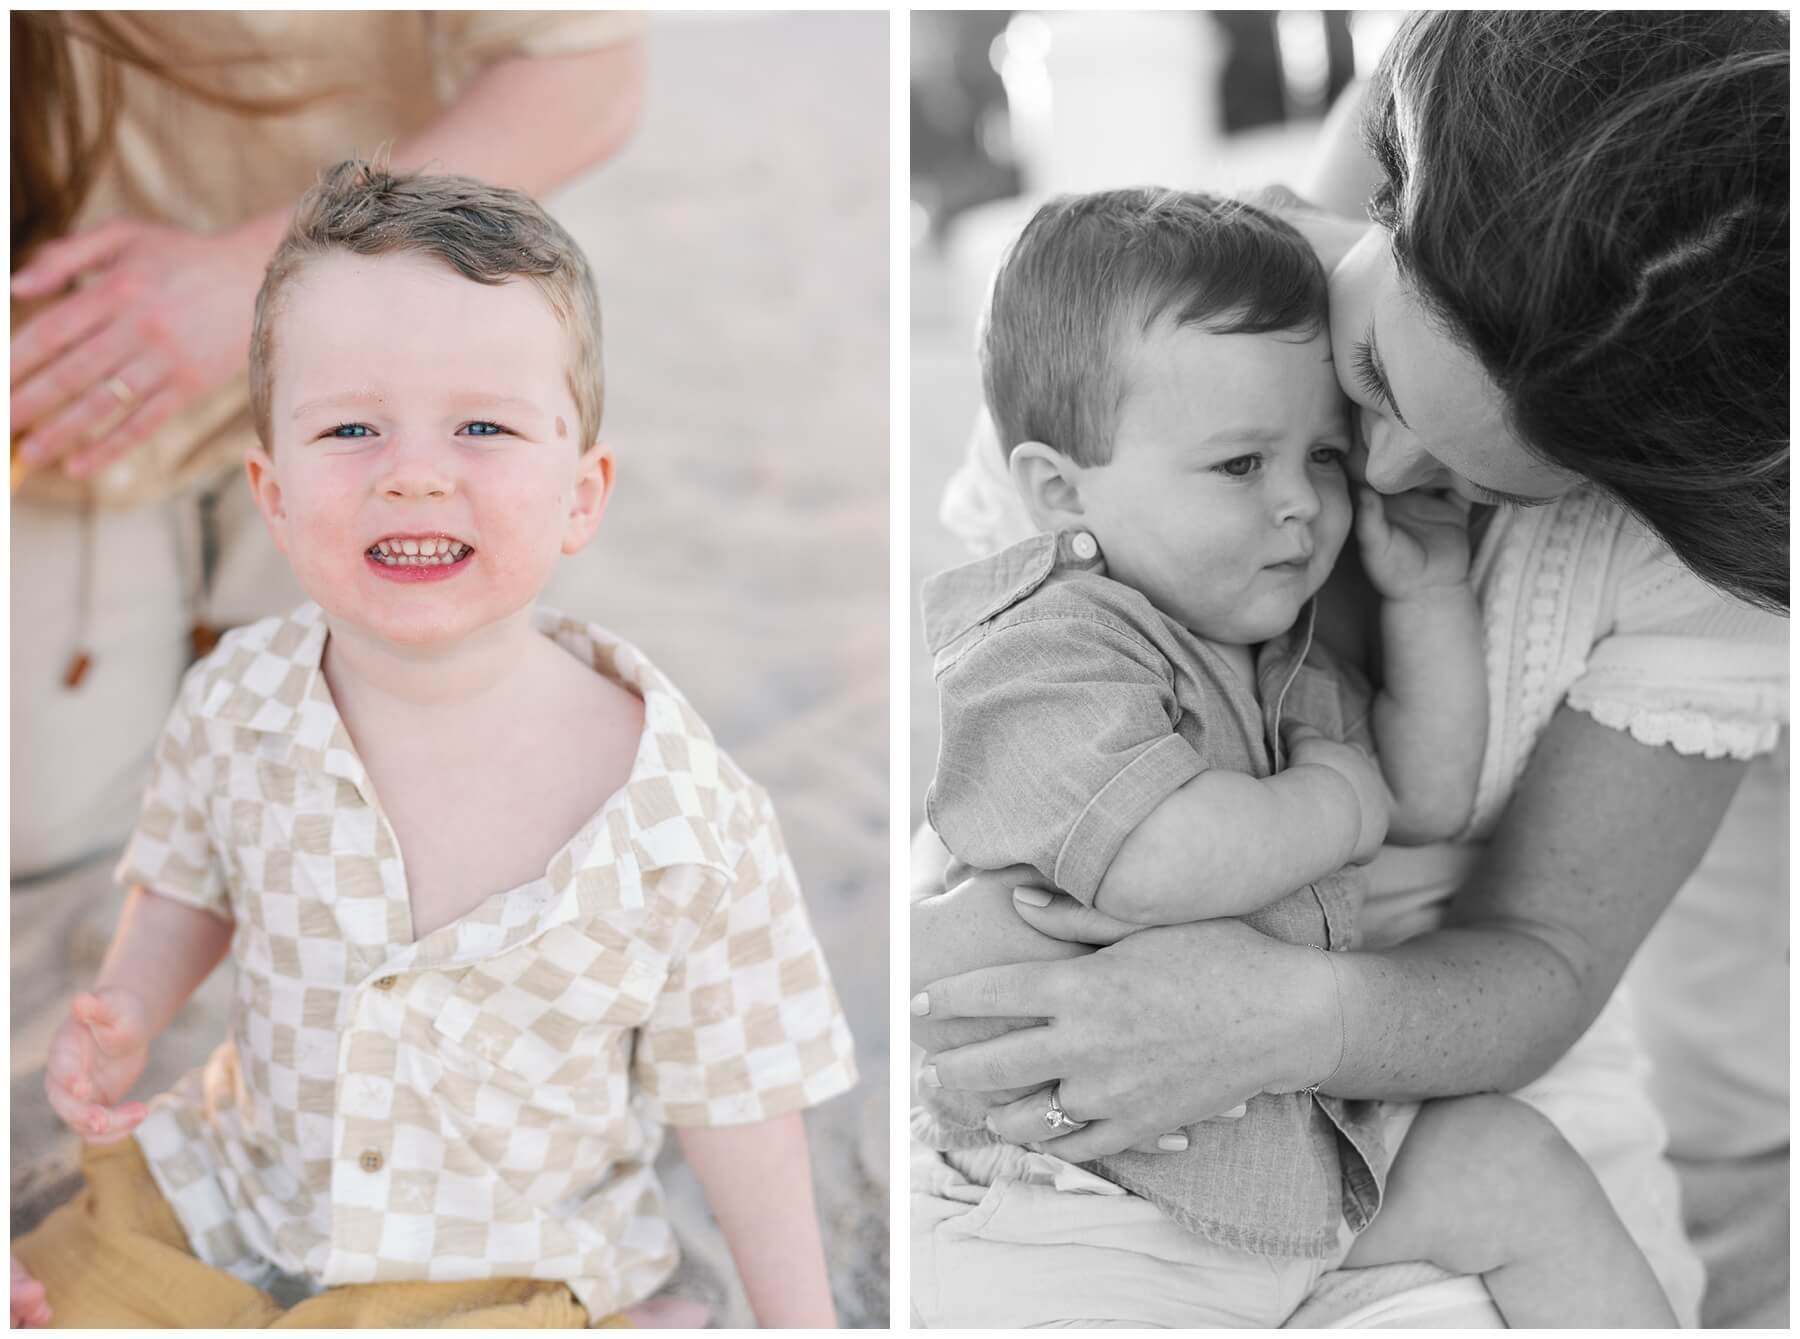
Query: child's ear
1049	482
259	466
593	486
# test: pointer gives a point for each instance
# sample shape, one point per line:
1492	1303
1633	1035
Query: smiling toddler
500	908
1134	704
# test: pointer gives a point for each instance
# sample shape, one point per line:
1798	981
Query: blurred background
740	246
1009	107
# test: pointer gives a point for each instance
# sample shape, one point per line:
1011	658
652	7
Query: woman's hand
1163	1028
152	318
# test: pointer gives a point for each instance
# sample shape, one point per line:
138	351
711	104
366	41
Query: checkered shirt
488	1101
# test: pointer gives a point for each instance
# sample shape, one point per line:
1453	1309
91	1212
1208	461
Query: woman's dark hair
1596	205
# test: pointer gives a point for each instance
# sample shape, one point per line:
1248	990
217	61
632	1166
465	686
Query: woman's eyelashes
479	427
1368	376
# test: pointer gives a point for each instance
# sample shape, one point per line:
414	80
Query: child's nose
416	470
1298	499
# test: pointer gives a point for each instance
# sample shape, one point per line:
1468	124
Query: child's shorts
115	1256
1007	1238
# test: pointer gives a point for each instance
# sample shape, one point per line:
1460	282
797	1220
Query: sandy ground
740	245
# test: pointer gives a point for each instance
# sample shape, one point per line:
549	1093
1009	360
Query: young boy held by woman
1134	703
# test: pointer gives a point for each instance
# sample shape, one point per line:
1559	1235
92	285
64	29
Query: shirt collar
965	597
957	601
671	810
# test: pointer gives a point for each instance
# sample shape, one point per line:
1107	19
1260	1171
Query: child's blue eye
483	428
1240	467
349	430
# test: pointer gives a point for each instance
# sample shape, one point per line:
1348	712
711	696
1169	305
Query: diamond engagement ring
1058	1119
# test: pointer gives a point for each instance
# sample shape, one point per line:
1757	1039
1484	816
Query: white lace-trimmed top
1583	604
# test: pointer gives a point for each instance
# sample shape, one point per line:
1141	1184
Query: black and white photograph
1348	669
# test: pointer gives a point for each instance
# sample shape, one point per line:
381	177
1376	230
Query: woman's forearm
496	128
1600	834
535	123
1454	1012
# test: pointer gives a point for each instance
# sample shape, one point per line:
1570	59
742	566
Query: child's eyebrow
479	398
1253	436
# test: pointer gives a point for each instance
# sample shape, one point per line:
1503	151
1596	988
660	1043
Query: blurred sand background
740	245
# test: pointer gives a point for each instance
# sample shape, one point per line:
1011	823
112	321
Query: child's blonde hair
486	233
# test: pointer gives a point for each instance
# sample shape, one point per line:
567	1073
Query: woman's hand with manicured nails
95	1057
1159	1030
143	320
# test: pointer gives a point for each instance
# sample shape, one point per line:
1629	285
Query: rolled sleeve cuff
1113	814
174	879
1340	895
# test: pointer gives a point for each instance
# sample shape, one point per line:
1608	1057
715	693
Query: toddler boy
1133	704
499	906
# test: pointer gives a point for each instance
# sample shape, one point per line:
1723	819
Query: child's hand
1356	767
95	1057
30	1308
1413	543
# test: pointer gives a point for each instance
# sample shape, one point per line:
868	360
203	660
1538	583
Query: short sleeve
171	851
1682	664
1057	740
747	1027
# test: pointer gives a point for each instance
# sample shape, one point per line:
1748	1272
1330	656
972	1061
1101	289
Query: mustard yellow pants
115	1256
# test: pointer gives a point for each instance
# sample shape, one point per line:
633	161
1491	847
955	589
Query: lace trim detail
1689	732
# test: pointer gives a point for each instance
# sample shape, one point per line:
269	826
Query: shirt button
1084	546
370	1161
386	982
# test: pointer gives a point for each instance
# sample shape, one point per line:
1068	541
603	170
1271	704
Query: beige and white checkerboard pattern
488	1100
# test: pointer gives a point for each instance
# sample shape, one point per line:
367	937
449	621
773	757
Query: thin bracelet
1312	1090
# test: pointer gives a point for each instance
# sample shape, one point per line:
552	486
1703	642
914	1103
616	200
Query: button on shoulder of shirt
386	982
370	1161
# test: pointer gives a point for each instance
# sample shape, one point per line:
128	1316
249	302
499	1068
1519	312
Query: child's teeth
421	552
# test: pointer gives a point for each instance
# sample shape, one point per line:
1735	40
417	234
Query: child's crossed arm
1226	844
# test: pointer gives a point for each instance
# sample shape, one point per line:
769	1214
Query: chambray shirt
1070	709
486	1101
